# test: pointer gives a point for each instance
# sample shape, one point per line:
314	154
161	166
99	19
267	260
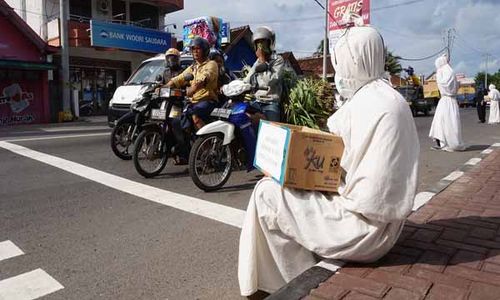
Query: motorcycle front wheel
122	140
149	155
210	162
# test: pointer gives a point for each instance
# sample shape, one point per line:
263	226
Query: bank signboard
126	37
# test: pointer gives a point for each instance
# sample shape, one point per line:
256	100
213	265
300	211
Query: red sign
338	8
20	103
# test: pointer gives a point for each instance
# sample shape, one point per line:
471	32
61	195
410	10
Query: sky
411	28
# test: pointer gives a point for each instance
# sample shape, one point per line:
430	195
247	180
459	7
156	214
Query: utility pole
63	35
486	72
325	41
448	41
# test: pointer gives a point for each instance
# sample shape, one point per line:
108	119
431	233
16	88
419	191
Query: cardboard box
299	157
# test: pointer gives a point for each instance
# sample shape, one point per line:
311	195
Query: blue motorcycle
226	144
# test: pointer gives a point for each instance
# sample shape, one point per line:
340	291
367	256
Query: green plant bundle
310	103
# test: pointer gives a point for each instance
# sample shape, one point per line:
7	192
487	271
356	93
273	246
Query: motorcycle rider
172	64
225	76
267	74
203	92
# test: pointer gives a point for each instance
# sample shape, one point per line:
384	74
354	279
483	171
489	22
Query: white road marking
8	250
496	145
421	199
28	286
473	161
74	128
454	176
487	151
225	214
56	137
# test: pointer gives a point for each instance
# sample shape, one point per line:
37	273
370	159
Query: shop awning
25	65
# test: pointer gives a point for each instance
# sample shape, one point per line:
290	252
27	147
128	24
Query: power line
396	5
315	17
280	21
424	58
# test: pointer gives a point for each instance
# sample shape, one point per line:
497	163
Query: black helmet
214	53
202	43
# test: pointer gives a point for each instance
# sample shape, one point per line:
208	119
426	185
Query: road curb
314	276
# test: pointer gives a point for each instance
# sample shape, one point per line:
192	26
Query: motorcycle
155	143
226	144
128	127
86	108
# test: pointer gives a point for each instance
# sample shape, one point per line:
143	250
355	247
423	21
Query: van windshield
147	72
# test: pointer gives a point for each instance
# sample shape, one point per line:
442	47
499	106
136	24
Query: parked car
414	95
145	74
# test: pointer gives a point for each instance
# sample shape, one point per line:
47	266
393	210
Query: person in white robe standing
494	96
285	230
446	128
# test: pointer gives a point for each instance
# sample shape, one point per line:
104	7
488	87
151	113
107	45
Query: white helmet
265	33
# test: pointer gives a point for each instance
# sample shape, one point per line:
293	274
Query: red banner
338	8
20	102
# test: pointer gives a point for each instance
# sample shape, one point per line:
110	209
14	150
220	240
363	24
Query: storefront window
119	10
146	15
81	8
93	85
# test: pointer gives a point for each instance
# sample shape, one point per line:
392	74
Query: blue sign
226	33
128	37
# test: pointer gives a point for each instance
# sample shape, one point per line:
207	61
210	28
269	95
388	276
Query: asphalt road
98	240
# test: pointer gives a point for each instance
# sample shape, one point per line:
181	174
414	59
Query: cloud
412	31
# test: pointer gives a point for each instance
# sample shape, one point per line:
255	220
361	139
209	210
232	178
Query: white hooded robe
285	228
494	95
446	125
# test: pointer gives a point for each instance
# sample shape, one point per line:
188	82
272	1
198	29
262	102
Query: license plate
158	114
221	113
165	92
175	112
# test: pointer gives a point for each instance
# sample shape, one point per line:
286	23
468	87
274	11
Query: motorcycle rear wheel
210	162
150	157
122	140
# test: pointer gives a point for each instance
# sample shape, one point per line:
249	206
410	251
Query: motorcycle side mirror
188	77
262	67
159	78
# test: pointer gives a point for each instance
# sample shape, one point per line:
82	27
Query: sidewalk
90	122
449	249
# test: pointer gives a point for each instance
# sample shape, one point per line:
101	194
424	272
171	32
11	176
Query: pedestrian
285	230
481	105
267	74
446	128
494	96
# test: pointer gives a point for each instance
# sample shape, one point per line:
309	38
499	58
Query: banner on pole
336	22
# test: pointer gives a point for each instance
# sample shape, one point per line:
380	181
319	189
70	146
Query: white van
144	74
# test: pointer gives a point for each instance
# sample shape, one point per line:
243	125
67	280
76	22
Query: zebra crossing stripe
9	250
28	286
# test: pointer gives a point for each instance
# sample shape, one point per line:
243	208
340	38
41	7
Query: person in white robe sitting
285	231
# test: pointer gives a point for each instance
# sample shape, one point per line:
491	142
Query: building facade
108	39
24	71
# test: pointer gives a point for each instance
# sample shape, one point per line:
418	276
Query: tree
319	49
492	78
392	63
